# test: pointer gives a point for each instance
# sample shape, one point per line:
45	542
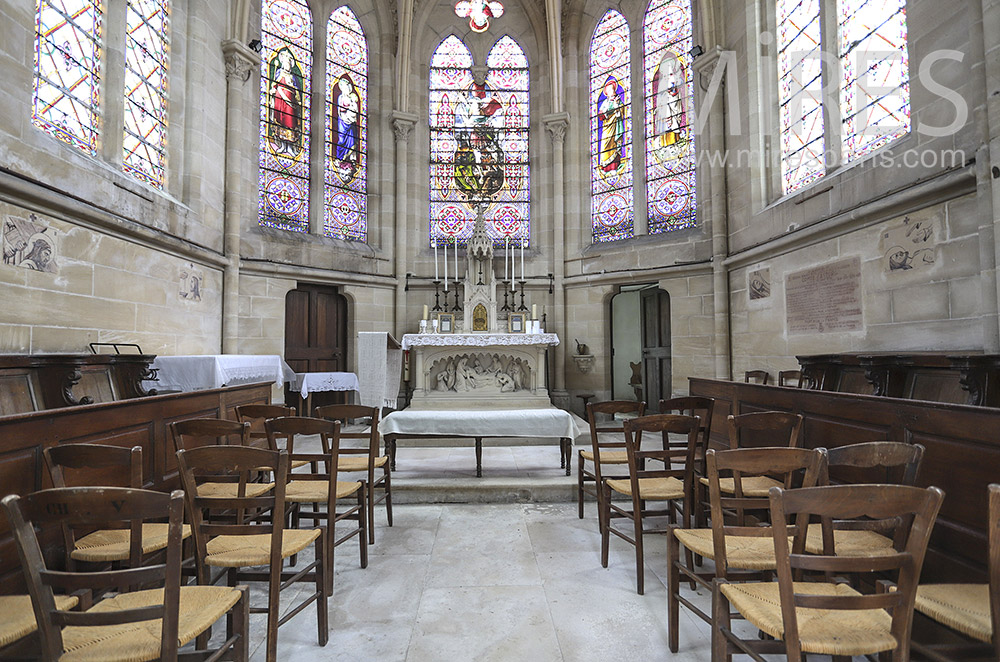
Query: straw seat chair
703	408
235	548
199	432
790	378
17	620
323	487
756	377
608	444
972	610
365	457
885	462
255	415
658	472
738	541
83	465
830	617
132	625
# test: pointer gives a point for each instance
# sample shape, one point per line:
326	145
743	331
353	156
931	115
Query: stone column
402	125
557	124
988	183
113	86
240	64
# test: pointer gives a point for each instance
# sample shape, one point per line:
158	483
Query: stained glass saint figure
479	159
347	112
611	126
669	110
286	103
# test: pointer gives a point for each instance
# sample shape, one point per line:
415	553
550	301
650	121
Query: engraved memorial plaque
825	299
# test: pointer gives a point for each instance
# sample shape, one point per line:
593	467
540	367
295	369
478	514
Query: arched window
286	67
346	209
875	92
611	130
800	93
146	49
67	71
670	155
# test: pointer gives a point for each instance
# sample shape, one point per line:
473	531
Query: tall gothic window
346	208
799	93
875	97
611	130
669	89
286	67
68	70
146	49
479	143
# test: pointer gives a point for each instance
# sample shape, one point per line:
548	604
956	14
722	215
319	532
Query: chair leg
363	525
273	589
371	510
640	566
720	621
579	486
322	619
673	589
605	504
241	626
387	486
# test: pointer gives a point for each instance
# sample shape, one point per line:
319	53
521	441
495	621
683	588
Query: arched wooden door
656	377
316	335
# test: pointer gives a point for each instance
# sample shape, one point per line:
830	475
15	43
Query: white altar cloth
193	373
477	339
550	422
312	382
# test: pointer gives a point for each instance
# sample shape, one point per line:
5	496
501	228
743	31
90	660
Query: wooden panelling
17	393
962	456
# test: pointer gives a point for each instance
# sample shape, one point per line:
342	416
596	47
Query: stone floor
489	581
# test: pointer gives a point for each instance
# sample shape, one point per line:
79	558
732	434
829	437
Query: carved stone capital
556	124
240	60
402	125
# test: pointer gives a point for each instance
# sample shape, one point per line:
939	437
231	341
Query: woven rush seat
850	543
314	491
607	457
255	549
18	618
741	551
753	486
650	488
113	544
230	490
200	606
962	607
359	463
294	464
822	631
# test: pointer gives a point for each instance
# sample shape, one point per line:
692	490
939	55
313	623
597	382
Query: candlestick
425	312
435	261
445	266
522	306
456	307
437	296
522	264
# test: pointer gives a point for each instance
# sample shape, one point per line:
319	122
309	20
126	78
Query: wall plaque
825	299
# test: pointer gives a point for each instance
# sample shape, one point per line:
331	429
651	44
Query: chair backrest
232	464
732	513
83	465
609	436
351	414
891	462
98	507
767	428
288	427
792	378
197	432
693	405
756	376
255	415
916	507
664	460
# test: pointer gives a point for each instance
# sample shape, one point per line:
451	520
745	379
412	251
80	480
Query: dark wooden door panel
656	369
316	335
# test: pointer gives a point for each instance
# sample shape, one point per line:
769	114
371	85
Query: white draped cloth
312	382
380	369
546	422
477	339
192	373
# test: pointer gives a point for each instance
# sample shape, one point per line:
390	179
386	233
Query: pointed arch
612	199
800	93
669	97
147	47
346	170
285	98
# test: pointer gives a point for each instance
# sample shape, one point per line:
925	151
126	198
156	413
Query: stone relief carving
30	244
909	245
760	284
482	373
191	281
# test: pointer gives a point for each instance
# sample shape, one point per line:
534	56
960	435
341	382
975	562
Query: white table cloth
313	382
477	339
193	373
549	422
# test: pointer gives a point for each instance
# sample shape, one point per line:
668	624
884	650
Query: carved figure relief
909	245
30	244
190	285
760	284
482	373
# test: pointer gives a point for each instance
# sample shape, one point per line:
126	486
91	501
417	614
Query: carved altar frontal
479	371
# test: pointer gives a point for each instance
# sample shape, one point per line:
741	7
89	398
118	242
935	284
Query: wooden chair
972	610
200	432
255	415
84	465
792	378
770	429
738	542
831	617
322	487
235	547
607	443
663	472
148	624
884	462
365	458
703	409
756	376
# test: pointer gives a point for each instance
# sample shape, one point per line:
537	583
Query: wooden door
316	335
655	307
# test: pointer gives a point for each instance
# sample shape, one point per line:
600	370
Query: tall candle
425	312
534	311
446	266
435	262
506	251
456	262
522	259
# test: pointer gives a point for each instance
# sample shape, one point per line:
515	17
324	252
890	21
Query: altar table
479	423
307	383
193	373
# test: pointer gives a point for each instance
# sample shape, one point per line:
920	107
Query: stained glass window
479	143
875	99
346	208
800	93
669	89
611	130
146	48
286	67
67	71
